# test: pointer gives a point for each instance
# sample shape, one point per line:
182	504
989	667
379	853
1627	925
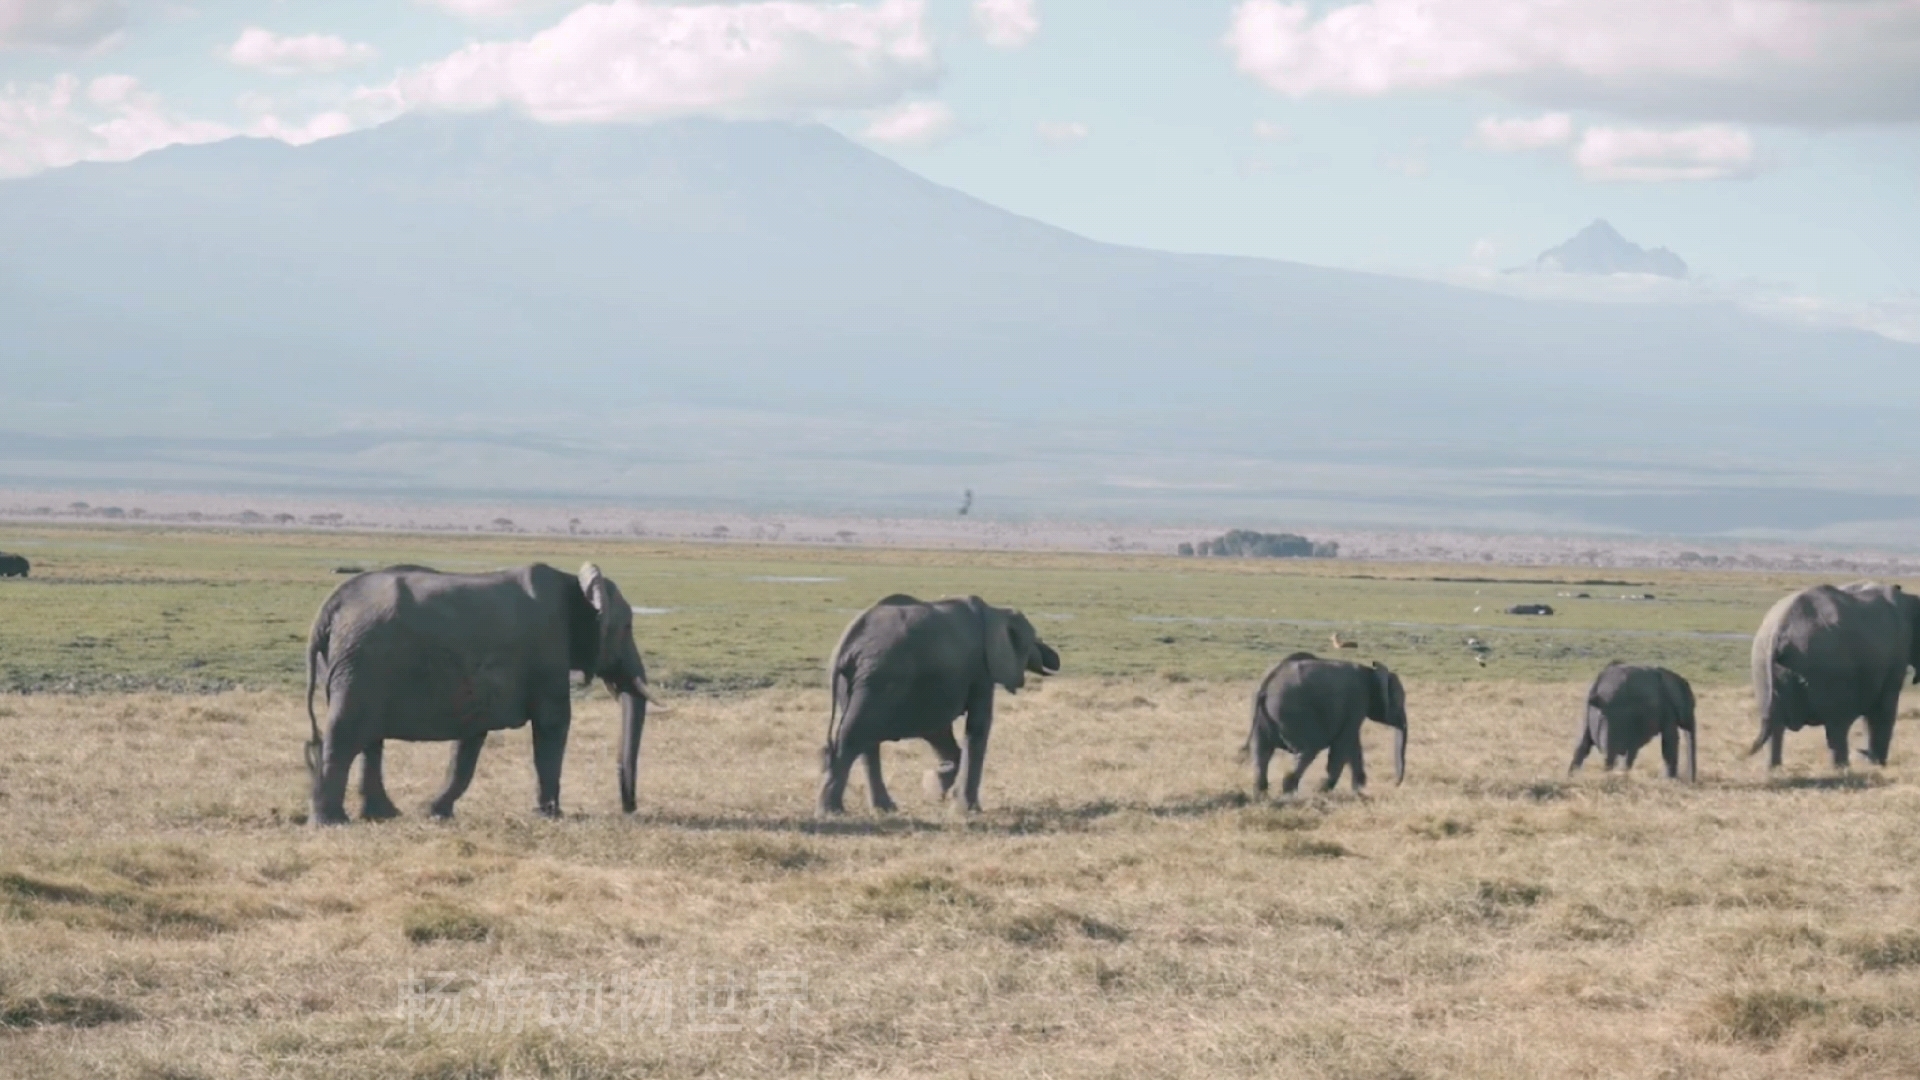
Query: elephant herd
413	654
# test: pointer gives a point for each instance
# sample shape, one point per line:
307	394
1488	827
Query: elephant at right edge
1827	656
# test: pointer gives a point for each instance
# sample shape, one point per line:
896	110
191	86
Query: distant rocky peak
1600	249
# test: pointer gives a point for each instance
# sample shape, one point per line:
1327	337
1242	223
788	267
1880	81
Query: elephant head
1387	704
1014	648
1909	607
603	648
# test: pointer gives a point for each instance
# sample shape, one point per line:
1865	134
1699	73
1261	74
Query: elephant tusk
645	691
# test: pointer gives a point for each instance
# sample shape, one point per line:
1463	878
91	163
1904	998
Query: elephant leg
374	804
1670	750
551	721
466	755
1632	755
1837	734
1336	764
973	757
876	785
938	781
1775	747
836	766
1301	763
1880	725
1613	759
330	782
1580	751
1357	761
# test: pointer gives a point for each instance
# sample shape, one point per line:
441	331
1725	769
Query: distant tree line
1247	544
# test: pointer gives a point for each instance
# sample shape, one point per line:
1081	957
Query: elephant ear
1004	663
610	610
1383	685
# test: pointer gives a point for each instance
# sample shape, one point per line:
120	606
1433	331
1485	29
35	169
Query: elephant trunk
1400	754
633	719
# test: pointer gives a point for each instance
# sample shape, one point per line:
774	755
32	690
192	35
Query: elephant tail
1787	692
318	642
1253	729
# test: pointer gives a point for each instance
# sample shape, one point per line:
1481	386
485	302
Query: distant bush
1246	544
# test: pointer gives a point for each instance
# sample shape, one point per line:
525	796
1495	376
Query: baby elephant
1627	707
1306	705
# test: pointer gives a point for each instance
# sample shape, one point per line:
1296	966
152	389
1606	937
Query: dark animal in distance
906	669
1530	609
14	565
1627	706
1827	656
423	656
1305	705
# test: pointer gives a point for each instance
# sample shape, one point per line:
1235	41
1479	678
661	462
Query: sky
1773	144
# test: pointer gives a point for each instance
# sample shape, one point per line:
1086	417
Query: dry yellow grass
1121	909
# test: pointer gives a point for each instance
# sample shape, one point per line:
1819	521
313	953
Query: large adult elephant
13	565
1826	656
422	656
905	669
1305	705
1627	706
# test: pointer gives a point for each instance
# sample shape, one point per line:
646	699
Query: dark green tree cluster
1247	544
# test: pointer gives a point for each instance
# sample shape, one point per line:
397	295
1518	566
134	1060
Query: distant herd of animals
413	654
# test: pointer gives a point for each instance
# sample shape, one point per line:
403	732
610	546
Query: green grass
143	608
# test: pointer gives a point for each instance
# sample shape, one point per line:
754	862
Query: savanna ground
1121	909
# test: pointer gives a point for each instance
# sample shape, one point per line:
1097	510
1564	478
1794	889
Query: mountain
1600	249
771	314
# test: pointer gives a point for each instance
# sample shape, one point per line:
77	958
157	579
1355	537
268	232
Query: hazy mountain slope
763	308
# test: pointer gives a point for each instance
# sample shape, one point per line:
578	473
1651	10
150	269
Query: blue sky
1775	144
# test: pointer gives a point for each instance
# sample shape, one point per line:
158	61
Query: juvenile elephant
1627	706
905	669
422	656
1826	656
1306	705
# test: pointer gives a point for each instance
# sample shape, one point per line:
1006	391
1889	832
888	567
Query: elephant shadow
1010	821
1850	781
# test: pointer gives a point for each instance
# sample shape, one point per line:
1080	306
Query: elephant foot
383	810
936	785
550	811
884	806
330	817
439	812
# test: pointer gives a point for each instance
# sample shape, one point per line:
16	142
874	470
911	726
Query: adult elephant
1826	656
1627	706
422	656
906	669
13	565
1306	705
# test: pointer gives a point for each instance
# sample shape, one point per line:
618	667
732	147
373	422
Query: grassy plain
1122	909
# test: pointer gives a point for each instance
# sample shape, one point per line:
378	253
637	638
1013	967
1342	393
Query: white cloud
1713	152
1269	131
279	54
489	9
65	25
1896	317
916	123
1484	249
48	125
1796	61
627	60
1006	24
320	126
1061	132
1539	133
